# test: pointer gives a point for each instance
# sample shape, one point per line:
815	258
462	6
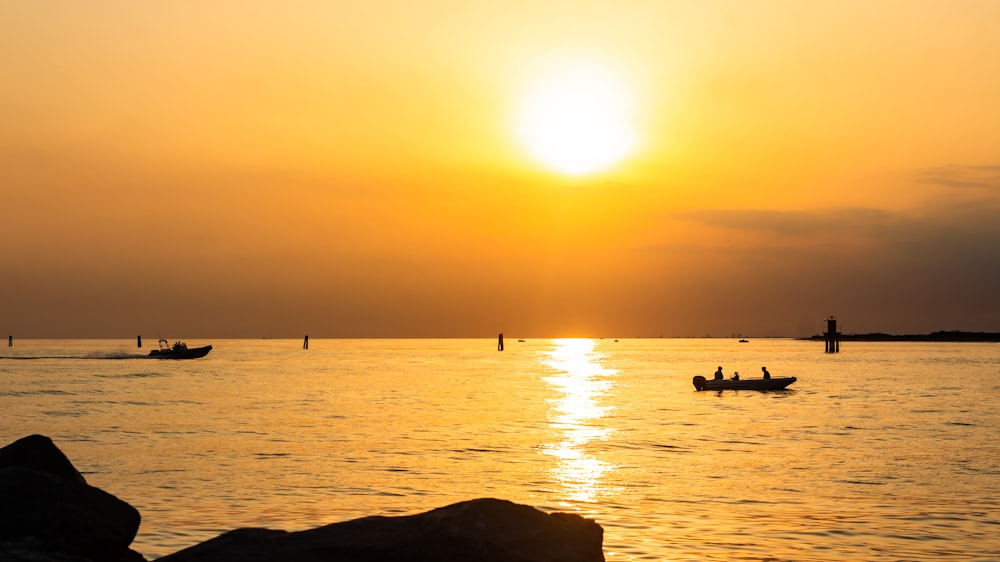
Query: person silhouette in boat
718	374
767	375
736	376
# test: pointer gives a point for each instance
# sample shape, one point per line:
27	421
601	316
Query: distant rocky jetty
48	513
943	336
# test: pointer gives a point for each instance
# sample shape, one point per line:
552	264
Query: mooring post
832	336
305	342
500	342
138	340
10	341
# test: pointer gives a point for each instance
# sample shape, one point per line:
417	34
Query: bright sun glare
577	120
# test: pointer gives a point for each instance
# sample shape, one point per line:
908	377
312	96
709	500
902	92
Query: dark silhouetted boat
179	350
775	383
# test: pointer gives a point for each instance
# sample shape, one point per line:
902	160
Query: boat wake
94	355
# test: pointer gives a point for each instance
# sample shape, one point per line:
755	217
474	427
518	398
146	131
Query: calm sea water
885	451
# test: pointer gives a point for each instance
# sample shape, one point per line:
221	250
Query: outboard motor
699	382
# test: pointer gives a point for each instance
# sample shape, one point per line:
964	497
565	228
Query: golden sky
359	169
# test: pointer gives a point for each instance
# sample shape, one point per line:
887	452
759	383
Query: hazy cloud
971	225
795	223
934	267
978	177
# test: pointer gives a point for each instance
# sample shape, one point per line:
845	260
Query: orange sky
351	169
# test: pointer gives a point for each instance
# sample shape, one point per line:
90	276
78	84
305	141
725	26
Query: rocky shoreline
48	513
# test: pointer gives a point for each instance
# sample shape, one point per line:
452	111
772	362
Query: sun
577	120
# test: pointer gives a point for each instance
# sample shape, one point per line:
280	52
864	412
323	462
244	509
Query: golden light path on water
580	385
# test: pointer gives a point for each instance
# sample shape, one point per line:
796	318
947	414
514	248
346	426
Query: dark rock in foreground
483	530
48	513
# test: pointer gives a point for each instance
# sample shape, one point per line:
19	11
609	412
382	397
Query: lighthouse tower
832	336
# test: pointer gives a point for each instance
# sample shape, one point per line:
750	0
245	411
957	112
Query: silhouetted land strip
943	336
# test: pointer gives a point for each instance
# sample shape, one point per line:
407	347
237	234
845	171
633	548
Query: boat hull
193	353
778	383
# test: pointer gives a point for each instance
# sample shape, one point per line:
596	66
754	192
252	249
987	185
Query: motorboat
775	383
179	350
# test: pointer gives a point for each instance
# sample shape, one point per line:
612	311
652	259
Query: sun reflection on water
579	383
